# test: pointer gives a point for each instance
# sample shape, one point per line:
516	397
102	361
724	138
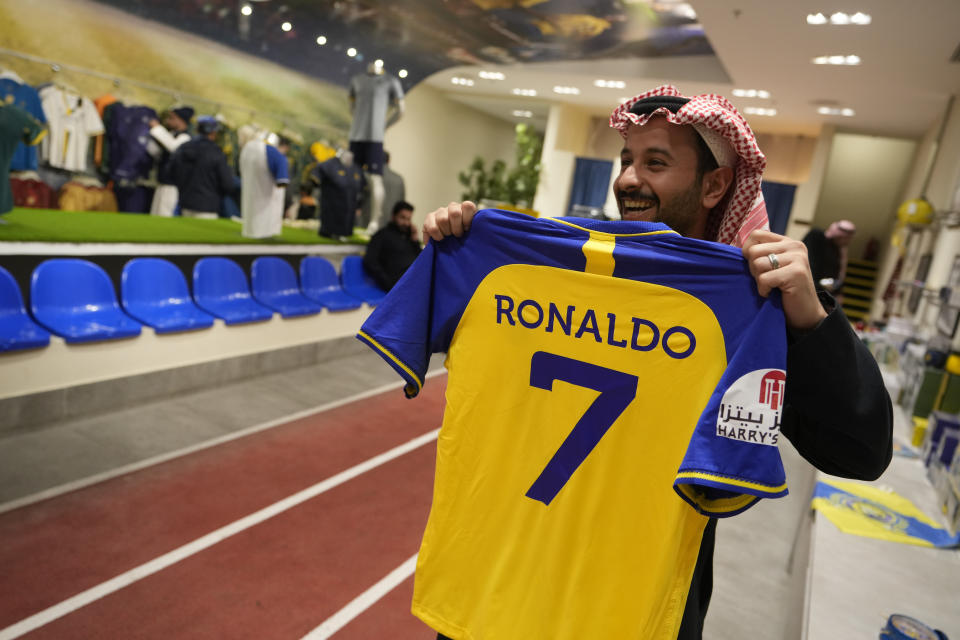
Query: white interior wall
944	187
435	140
863	180
565	138
789	157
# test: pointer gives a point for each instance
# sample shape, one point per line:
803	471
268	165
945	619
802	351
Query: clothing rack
176	95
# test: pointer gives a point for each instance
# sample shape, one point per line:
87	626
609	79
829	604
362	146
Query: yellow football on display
915	211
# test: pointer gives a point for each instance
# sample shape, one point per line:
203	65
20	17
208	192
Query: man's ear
715	185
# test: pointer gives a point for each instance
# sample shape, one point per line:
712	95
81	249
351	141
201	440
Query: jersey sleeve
396	90
31	130
732	459
92	122
278	165
420	314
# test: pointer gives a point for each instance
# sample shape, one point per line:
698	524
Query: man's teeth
638	204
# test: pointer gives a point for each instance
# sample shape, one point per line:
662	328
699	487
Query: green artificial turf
41	225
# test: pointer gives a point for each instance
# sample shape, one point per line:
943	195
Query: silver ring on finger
774	261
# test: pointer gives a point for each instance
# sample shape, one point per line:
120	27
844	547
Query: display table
855	583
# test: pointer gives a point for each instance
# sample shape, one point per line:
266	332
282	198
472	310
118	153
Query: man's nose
629	178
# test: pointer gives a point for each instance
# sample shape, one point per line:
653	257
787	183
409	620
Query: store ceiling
900	88
902	84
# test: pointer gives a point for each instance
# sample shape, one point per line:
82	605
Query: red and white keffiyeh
743	210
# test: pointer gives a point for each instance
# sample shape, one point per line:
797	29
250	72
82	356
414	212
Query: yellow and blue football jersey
611	384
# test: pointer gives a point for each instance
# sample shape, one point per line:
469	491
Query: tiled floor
754	594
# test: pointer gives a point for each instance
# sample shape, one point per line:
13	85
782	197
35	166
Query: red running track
278	579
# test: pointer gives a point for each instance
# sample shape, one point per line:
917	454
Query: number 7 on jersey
617	390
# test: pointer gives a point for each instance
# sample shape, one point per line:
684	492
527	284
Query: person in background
306	207
200	172
694	164
394	191
169	136
394	248
827	252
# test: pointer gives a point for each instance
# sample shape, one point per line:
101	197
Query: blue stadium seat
220	287
275	286
357	283
75	300
17	330
319	282
155	292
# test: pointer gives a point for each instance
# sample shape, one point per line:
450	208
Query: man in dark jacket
394	248
200	171
827	252
693	164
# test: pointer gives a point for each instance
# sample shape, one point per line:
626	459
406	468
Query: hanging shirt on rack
14	90
16	126
101	103
128	135
73	120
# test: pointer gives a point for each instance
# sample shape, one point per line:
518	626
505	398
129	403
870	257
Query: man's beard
681	213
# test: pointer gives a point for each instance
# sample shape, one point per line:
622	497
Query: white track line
149	462
364	601
157	564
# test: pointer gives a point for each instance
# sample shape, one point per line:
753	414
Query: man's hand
153	122
792	276
454	219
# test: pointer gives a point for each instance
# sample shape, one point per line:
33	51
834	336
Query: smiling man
693	164
666	173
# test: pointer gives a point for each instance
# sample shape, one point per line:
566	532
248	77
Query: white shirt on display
72	120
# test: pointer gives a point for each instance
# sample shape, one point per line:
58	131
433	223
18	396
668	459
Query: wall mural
259	61
424	36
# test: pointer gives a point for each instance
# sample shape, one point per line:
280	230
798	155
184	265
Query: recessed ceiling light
351	52
246	10
610	84
521	113
286	26
402	73
837	60
760	111
463	82
491	75
524	92
836	111
573	91
752	93
839	19
321	40
684	10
